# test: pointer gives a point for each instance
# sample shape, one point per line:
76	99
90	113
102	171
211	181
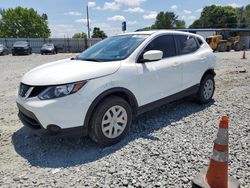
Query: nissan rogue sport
99	92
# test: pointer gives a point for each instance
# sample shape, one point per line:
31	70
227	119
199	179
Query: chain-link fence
63	44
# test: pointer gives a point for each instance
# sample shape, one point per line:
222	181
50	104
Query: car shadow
68	152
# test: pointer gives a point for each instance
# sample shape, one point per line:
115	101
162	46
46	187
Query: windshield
113	48
21	43
47	45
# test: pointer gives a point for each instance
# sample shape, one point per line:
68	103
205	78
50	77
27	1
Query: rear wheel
237	46
206	91
229	48
110	121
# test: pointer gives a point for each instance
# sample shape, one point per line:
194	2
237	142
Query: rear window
186	44
208	40
199	41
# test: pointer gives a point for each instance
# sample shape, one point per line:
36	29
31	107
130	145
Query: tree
45	17
247	16
168	20
180	24
23	23
81	35
196	24
98	33
217	17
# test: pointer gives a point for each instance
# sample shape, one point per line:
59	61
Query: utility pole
88	21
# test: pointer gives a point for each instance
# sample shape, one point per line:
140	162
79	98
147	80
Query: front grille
19	49
36	90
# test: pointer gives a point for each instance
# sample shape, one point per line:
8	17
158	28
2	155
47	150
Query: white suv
99	92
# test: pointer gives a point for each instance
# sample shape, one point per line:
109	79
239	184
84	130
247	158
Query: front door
159	79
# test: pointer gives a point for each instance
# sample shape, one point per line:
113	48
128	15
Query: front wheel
207	88
110	121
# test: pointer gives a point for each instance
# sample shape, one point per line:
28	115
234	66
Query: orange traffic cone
244	55
216	175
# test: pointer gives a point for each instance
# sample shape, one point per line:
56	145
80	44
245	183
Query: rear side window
164	43
199	41
186	44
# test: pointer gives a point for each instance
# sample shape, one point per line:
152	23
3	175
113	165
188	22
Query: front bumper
30	121
20	51
42	117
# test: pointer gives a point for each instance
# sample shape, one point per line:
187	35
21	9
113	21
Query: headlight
61	90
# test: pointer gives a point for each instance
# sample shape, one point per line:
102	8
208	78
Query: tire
206	90
237	46
106	134
13	54
222	47
229	48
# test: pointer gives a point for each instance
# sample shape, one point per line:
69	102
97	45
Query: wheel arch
121	92
209	71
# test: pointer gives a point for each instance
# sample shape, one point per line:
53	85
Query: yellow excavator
225	41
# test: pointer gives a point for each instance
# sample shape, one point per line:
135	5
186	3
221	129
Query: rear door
161	78
192	59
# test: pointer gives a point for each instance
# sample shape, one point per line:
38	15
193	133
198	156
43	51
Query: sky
66	17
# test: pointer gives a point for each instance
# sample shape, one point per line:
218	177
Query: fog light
53	129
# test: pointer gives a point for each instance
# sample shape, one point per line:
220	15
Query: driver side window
164	43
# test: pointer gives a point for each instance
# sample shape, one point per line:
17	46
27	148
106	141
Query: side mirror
152	55
74	58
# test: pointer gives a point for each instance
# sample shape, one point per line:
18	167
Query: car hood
68	71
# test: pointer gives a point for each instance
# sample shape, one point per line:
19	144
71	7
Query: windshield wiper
90	59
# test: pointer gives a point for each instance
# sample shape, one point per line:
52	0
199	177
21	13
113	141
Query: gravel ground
166	147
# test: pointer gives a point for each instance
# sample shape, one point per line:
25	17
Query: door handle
203	58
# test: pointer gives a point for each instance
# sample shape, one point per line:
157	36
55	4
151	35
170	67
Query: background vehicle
49	48
99	92
225	41
4	50
21	48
